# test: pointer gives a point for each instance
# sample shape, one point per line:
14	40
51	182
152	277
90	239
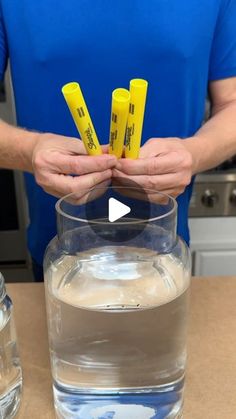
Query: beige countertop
211	373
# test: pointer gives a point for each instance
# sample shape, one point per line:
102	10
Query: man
183	48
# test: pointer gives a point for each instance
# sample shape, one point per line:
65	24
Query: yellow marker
138	93
119	116
79	111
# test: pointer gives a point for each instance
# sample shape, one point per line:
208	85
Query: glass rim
61	212
2	287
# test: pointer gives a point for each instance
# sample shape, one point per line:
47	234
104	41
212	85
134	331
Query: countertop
211	374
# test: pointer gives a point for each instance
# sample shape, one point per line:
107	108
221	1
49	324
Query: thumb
153	147
80	165
105	148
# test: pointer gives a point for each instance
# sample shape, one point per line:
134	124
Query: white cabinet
215	262
213	245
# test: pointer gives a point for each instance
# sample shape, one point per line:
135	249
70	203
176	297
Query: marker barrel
119	116
138	93
79	111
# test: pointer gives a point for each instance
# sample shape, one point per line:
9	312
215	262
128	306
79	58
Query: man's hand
61	165
164	165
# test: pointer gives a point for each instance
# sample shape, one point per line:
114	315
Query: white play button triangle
116	210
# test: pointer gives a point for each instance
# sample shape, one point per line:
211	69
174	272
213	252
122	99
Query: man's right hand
62	166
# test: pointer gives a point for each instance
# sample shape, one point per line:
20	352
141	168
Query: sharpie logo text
89	134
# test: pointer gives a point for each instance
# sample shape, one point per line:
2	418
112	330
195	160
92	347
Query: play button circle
118	212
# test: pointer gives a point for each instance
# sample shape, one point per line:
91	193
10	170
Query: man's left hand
164	165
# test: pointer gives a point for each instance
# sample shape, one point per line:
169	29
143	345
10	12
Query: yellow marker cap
138	93
79	111
119	116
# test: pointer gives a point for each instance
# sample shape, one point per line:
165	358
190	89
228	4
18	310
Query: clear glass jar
117	304
10	369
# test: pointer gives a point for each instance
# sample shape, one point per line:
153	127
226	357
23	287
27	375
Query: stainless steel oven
14	257
12	218
213	221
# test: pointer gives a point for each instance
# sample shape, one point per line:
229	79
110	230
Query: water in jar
10	370
117	334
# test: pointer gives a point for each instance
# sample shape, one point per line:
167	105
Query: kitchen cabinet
213	245
215	262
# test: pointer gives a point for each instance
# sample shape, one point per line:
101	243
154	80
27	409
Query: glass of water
10	369
117	306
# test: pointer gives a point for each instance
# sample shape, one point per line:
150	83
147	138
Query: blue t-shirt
178	46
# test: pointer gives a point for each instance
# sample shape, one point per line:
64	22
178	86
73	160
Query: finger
85	196
98	191
169	163
132	167
105	148
62	185
154	147
75	145
128	190
148	149
82	197
143	195
155	182
80	165
163	198
148	195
